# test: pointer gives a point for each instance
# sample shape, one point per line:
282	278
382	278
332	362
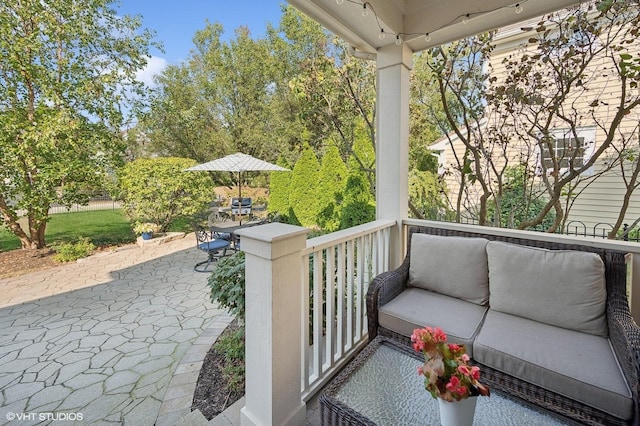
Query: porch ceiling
413	19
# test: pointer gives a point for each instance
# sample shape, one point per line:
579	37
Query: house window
569	151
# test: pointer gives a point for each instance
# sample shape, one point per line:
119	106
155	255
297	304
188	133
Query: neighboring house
598	198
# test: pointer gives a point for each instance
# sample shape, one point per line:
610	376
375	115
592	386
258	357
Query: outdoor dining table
227	229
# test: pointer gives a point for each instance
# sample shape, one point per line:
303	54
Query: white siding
601	201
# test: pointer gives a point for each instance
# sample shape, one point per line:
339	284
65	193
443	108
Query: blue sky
175	23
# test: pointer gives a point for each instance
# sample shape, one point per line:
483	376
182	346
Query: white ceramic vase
457	413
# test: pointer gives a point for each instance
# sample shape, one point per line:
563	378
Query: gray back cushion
558	287
454	266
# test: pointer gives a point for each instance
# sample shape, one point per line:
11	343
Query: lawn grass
102	227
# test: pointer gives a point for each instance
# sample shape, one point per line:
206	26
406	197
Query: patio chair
207	242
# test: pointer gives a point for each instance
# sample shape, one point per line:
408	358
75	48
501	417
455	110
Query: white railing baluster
340	314
329	301
317	313
361	260
308	375
351	276
373	238
385	244
381	251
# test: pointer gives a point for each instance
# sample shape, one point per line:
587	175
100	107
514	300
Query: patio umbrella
237	163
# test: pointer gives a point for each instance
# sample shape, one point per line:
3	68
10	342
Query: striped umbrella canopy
237	163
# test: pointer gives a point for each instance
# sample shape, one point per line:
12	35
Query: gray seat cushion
455	266
417	308
578	365
564	288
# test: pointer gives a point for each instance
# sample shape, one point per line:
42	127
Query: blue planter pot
147	235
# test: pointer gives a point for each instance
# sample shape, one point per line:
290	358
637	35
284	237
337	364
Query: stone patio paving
117	338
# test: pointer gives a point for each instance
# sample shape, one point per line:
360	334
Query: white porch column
394	64
273	327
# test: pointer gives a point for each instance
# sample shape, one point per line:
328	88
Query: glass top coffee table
382	387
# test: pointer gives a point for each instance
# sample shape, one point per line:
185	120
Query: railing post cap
272	232
273	240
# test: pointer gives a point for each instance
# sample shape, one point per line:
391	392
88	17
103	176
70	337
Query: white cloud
155	65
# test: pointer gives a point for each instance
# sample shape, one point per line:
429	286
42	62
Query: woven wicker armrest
382	289
624	333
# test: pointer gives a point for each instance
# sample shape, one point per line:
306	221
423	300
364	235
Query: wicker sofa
547	322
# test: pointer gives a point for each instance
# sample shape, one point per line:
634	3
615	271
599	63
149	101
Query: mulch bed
212	395
19	262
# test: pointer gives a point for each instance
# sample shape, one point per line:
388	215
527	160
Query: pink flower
418	339
465	357
464	370
420	371
454	382
456	387
439	335
475	372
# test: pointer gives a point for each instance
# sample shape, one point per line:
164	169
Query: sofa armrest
382	289
624	333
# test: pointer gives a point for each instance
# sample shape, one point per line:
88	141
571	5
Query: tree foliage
158	190
181	121
264	96
66	71
460	79
579	69
426	192
427	121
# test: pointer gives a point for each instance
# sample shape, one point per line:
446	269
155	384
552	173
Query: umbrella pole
240	195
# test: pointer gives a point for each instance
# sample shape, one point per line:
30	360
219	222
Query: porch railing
305	311
336	271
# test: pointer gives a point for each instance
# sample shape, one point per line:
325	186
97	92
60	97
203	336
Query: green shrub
331	183
632	234
279	188
232	346
227	283
518	203
358	206
159	190
68	252
303	195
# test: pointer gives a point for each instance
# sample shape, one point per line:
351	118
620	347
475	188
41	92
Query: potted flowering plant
448	376
146	229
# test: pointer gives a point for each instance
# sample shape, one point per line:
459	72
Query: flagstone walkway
116	338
